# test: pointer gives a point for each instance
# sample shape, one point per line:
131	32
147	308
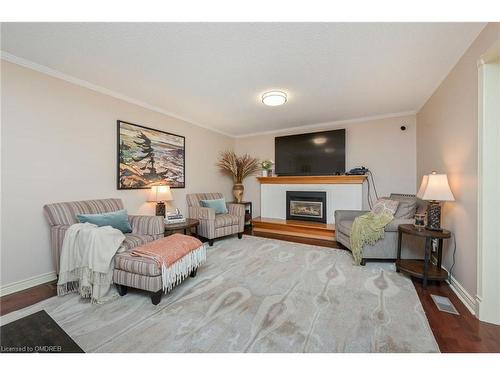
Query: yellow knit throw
366	230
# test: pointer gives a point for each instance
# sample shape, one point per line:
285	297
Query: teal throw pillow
218	204
116	219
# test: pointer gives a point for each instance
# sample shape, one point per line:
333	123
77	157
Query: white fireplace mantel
342	193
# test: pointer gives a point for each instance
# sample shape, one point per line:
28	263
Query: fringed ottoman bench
159	265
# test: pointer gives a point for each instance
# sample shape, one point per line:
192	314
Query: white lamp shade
423	185
160	194
437	188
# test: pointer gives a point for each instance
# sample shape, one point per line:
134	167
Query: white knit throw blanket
86	263
175	273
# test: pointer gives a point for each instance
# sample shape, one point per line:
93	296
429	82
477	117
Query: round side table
189	224
423	269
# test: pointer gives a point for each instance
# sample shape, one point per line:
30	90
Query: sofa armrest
348	214
393	225
201	213
57	233
236	209
150	225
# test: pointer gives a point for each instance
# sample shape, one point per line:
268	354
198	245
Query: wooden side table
248	212
423	269
189	224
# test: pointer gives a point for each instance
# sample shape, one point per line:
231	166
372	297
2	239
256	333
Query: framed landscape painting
149	157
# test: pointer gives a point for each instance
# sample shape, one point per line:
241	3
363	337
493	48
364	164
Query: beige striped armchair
62	215
216	225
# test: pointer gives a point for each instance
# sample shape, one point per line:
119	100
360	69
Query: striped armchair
62	215
212	225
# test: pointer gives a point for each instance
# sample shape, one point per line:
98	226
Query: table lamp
435	189
160	195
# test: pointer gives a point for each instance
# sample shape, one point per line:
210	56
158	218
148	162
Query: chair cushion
225	220
385	206
115	219
193	200
134	239
139	265
407	208
65	213
345	226
219	205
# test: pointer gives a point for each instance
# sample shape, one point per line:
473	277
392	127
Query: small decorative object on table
420	221
238	167
267	167
435	188
174	217
160	195
238	190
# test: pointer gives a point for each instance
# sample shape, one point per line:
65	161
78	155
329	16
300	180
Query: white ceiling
214	73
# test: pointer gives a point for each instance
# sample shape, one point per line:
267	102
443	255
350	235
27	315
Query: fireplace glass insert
306	205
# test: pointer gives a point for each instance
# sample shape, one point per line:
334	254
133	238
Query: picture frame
149	157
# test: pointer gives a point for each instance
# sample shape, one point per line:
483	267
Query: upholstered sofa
216	225
386	248
62	215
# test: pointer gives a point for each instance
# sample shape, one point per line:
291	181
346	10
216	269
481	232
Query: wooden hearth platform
297	228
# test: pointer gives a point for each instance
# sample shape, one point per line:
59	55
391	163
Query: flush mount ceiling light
274	98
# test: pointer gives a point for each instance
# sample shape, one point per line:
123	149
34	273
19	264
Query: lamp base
435	230
434	216
160	209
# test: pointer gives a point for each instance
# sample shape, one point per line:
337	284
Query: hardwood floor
28	297
308	241
462	333
454	333
296	228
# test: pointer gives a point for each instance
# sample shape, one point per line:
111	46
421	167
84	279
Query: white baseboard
470	302
27	283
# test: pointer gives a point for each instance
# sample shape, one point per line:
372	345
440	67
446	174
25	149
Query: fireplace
306	205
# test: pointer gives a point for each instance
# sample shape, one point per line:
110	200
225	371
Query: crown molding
491	56
330	123
102	90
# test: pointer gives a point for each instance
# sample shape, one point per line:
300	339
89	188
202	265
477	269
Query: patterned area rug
258	295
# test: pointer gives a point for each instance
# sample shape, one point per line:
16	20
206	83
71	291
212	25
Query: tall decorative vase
238	190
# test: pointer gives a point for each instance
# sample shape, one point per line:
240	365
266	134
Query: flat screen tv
311	154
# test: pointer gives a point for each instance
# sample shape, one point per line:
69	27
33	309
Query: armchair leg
122	289
240	235
156	297
193	272
210	242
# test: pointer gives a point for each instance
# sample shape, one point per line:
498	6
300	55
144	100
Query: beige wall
379	145
59	144
447	139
